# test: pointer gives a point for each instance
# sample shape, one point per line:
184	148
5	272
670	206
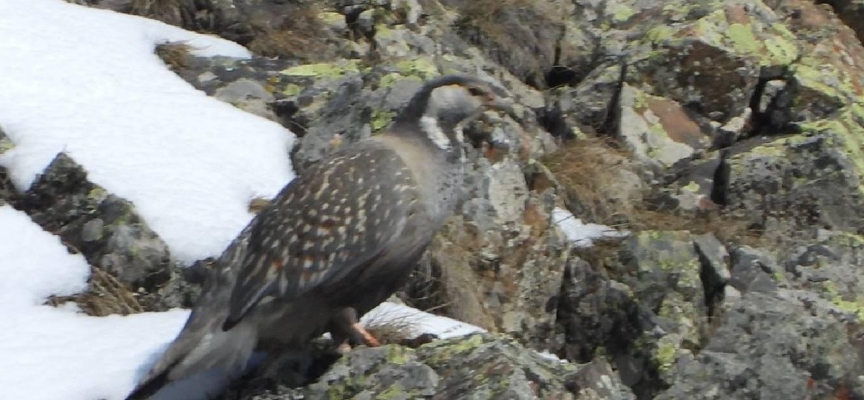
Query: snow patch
87	82
580	233
56	353
417	322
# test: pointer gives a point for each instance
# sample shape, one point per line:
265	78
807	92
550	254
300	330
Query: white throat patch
433	131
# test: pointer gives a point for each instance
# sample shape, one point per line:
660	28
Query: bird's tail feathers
195	352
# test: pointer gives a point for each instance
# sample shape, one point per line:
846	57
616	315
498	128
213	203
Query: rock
696	185
525	39
658	129
599	315
715	261
597	380
588	107
786	186
775	346
104	228
753	271
480	366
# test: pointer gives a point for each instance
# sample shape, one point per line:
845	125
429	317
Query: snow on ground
87	82
417	322
582	234
56	353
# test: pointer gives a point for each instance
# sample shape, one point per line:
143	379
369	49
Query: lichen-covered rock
599	315
658	129
480	366
788	185
104	228
785	345
644	303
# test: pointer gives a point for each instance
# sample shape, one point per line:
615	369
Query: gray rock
598	381
771	347
479	366
753	271
102	226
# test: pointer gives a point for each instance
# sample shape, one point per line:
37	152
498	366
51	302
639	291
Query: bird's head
442	104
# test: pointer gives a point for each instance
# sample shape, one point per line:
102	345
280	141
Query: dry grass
105	295
303	35
590	171
257	204
391	330
174	54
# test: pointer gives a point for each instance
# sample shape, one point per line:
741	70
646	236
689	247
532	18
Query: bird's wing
323	226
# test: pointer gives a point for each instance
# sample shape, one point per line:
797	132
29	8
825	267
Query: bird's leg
347	327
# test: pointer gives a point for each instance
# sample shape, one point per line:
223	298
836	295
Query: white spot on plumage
430	127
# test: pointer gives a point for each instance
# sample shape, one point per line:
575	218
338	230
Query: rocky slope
726	136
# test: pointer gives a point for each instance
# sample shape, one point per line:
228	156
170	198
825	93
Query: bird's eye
475	91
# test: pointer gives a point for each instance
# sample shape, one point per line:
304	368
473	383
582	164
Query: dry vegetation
174	54
589	170
302	35
105	295
391	330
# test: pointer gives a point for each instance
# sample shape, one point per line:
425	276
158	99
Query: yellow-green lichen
846	133
398	355
332	18
392	392
742	38
381	119
420	67
773	149
691	187
854	307
391	78
453	347
622	13
291	90
325	70
781	46
665	355
660	34
382	31
814	78
847	240
97	194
